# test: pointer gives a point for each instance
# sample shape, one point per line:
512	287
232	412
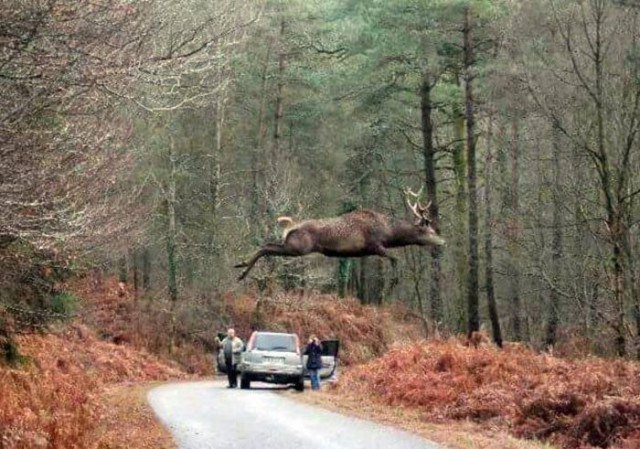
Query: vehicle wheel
245	382
300	384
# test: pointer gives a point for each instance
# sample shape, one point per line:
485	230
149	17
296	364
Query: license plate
274	360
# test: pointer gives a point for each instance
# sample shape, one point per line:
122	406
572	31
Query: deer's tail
287	224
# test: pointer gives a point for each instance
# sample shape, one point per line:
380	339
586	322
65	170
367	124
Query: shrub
29	286
64	304
9	352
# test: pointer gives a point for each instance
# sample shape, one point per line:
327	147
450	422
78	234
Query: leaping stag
354	234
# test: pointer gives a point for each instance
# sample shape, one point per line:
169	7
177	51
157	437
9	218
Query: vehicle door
330	350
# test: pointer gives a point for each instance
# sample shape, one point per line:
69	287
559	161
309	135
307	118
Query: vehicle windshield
282	343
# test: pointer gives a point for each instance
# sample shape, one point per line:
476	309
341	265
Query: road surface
207	415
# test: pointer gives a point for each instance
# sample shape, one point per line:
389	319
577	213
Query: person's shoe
230	386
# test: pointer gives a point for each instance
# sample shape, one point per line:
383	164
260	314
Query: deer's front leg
382	252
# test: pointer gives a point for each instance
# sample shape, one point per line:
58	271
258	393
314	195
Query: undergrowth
584	403
185	331
54	400
364	332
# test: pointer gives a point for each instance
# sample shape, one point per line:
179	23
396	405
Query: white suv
277	358
274	358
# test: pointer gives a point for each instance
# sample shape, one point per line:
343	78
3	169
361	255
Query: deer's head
426	232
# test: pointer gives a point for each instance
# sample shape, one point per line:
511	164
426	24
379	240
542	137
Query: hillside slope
55	398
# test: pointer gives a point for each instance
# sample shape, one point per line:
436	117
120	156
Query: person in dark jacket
314	361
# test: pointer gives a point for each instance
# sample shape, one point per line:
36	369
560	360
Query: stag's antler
408	191
418	209
413	207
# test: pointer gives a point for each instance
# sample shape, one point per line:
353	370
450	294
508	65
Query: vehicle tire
299	386
245	382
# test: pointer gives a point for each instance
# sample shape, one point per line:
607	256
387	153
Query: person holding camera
314	360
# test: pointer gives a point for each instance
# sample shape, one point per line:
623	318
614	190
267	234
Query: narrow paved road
206	415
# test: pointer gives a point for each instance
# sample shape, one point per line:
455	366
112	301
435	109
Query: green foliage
65	303
10	353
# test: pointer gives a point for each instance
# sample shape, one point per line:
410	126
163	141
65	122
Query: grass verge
569	403
452	435
129	421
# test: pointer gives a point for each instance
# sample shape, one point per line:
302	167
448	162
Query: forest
149	148
160	140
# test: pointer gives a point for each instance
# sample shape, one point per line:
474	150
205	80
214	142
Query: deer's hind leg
270	249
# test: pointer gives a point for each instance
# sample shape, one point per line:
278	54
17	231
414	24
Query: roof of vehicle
274	333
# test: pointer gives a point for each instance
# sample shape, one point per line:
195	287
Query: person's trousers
315	379
232	373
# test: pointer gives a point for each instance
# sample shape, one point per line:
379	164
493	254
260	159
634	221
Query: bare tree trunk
636	308
362	284
276	158
260	139
172	283
556	250
514	234
472	291
122	269
459	251
279	107
344	275
214	171
146	269
429	153
377	291
620	322
354	282
637	315
488	241
415	259
615	214
136	269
